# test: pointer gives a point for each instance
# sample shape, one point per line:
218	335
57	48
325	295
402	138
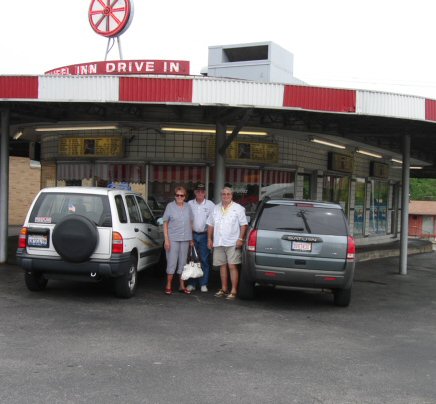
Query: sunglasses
180	195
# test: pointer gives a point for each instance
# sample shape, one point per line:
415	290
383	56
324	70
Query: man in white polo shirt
226	235
201	210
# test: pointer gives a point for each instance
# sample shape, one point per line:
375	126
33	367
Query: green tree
423	189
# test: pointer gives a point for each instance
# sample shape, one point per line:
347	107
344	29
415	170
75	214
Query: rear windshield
52	207
303	219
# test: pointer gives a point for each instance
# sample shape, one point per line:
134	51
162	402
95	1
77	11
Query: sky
381	45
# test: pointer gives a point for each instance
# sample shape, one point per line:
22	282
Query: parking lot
76	343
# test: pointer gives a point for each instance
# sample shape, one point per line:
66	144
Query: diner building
246	122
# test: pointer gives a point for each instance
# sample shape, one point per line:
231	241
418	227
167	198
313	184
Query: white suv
84	233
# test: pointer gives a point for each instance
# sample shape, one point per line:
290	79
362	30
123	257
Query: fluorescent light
416	168
371	154
74	128
397	161
324	142
18	135
209	130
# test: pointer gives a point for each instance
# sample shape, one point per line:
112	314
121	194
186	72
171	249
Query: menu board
379	170
250	151
340	162
91	146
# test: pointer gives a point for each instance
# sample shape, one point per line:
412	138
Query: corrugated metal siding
18	87
390	105
320	99
235	92
430	110
155	89
78	88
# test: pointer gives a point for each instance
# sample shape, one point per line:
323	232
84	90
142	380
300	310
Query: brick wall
24	184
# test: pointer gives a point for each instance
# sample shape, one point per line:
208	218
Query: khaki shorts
226	255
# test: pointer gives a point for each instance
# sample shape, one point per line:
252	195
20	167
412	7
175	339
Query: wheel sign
110	18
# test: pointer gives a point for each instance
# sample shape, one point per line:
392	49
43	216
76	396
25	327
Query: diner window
165	178
359	207
307	186
278	184
245	186
378	207
336	189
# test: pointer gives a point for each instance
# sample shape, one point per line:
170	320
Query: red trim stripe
320	99
430	110
155	90
19	87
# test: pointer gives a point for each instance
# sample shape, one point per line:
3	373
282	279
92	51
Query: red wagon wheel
110	18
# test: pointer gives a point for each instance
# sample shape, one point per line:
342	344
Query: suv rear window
52	207
304	219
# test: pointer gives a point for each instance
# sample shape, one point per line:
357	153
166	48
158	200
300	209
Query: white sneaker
204	288
191	288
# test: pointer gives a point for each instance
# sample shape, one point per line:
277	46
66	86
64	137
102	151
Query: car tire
35	281
342	297
246	286
75	238
125	285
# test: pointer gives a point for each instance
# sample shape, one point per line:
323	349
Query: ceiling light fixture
209	130
18	135
397	161
371	154
74	128
326	143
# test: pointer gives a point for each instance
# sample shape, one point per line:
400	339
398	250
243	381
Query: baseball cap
200	186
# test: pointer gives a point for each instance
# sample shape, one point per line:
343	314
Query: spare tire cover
75	238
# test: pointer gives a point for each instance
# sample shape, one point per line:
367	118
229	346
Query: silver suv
83	233
300	244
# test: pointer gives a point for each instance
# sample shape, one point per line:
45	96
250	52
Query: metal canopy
379	132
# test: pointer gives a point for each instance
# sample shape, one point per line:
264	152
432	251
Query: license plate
37	240
301	246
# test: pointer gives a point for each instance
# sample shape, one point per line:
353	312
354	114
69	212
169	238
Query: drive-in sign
124	67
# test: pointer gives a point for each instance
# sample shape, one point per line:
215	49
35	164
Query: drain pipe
404	238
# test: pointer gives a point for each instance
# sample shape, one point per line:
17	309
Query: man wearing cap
201	209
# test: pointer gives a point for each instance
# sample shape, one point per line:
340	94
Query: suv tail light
351	249
22	238
117	243
252	241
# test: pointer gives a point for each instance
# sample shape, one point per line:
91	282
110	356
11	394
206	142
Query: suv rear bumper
298	277
116	266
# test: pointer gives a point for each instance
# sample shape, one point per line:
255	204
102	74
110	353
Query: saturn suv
89	234
299	244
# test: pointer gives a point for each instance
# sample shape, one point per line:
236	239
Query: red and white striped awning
181	174
107	172
249	176
121	172
277	177
74	171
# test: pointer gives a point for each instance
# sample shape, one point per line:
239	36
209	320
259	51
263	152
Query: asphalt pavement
76	343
